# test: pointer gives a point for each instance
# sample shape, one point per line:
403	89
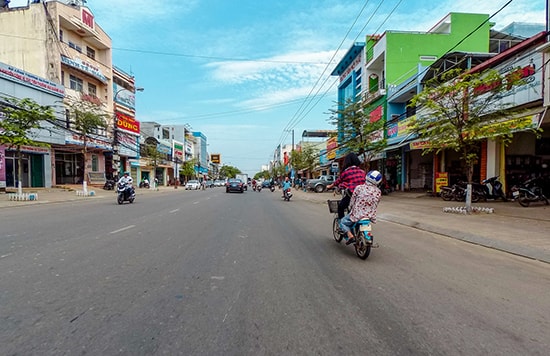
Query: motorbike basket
333	206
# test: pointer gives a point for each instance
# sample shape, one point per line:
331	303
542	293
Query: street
210	273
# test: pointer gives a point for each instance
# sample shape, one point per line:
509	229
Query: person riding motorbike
126	179
363	203
350	178
286	186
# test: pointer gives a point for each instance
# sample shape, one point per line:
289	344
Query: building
62	44
37	160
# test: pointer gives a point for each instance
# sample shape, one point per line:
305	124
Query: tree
16	129
229	171
360	133
458	110
187	169
304	159
155	156
88	119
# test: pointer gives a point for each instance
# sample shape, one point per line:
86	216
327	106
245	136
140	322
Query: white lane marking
124	228
175	210
195	202
9	254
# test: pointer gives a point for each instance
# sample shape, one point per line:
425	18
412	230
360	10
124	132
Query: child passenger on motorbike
364	203
350	178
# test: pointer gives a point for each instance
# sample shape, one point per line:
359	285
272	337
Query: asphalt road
210	273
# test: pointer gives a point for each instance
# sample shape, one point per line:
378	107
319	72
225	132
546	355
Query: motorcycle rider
364	203
286	186
350	178
127	179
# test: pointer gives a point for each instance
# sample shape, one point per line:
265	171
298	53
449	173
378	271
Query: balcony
369	97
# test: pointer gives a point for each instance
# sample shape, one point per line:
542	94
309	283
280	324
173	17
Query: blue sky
246	72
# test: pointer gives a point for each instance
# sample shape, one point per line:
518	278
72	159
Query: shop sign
20	76
419	145
2	167
353	64
177	150
84	66
441	180
90	142
215	158
125	122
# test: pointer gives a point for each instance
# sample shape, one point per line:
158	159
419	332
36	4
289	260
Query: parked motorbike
144	184
109	184
490	188
529	192
458	192
287	195
125	192
362	230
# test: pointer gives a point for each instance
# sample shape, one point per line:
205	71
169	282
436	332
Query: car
193	184
319	185
219	183
234	185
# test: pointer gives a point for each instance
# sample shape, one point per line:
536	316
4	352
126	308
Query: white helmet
374	177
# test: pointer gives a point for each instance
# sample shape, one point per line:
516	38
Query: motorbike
362	230
458	192
144	184
109	184
287	194
258	187
272	188
490	188
529	192
125	192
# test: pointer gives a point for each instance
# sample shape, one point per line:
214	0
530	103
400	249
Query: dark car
234	185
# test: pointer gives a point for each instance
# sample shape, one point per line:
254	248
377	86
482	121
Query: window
95	163
63	78
60	35
92	89
76	83
90	52
75	46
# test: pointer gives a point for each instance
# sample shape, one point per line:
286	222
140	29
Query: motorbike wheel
120	199
362	250
446	194
336	231
131	200
475	197
523	199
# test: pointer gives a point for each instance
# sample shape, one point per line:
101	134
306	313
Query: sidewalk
511	228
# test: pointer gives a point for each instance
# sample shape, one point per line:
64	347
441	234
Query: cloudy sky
246	73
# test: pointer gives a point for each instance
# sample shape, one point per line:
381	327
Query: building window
60	35
63	78
75	46
90	52
76	83
95	163
92	89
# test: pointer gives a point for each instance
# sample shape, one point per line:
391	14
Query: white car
193	185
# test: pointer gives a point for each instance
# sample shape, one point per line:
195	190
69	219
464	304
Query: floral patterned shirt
364	202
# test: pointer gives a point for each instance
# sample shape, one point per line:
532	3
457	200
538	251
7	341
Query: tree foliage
229	171
87	119
458	110
360	134
304	159
16	129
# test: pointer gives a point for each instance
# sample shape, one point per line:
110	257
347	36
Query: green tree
304	159
88	119
360	135
188	169
457	111
16	129
155	157
229	171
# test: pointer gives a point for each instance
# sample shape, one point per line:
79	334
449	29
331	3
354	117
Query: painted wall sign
84	66
20	76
